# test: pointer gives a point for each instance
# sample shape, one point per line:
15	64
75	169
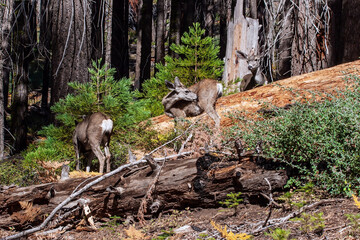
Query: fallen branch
147	197
278	221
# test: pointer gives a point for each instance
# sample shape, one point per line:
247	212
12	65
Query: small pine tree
198	60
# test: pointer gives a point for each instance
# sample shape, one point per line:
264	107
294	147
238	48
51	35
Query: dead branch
279	221
143	205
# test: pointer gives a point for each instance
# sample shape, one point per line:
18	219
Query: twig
143	204
176	137
270	203
184	143
278	221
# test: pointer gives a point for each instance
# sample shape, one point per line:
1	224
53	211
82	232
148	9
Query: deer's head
252	59
179	91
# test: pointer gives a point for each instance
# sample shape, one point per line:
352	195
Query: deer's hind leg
98	153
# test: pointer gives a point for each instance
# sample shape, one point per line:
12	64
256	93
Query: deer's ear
241	54
177	82
169	85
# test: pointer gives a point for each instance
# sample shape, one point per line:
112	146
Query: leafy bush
197	60
320	140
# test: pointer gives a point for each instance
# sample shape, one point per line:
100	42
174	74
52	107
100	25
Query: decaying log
191	182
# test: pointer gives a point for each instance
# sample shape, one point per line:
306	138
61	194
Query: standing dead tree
295	37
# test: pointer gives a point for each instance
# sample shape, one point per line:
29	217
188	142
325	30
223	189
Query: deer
183	102
256	77
94	131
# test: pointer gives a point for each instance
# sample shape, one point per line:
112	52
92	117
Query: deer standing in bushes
94	131
256	77
183	102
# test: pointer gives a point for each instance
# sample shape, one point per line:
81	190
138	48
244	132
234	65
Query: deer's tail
107	126
219	90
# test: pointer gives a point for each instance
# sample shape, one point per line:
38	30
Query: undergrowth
317	141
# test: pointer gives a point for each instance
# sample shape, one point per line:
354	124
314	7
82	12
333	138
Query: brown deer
94	131
192	101
256	77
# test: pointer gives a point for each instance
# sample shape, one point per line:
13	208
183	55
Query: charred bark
143	48
71	48
119	45
24	40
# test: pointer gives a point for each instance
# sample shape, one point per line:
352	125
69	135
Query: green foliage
103	93
355	223
232	201
197	60
318	140
279	234
311	222
299	197
21	173
165	235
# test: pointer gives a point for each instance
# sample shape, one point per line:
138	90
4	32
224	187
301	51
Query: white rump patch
219	89
107	125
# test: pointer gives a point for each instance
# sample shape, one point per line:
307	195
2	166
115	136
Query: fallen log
192	182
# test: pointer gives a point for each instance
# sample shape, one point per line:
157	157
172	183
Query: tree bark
71	48
160	32
143	48
6	12
182	183
175	25
120	45
24	38
350	30
45	38
98	29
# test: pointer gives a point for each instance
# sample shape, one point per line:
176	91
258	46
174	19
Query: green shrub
319	140
197	60
279	234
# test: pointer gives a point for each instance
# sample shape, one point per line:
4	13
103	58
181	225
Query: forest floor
195	223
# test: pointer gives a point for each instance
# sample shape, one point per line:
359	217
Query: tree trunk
143	48
242	34
6	12
350	30
160	32
175	25
71	48
97	31
226	8
24	38
120	45
208	12
183	183
286	36
45	38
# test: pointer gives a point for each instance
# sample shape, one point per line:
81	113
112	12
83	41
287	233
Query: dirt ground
196	224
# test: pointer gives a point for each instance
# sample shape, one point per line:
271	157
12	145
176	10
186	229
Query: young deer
89	135
189	102
256	77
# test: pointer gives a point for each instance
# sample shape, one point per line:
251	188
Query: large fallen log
191	182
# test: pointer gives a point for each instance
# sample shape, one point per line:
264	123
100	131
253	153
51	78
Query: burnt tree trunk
6	13
183	183
71	48
160	32
119	45
143	48
24	38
